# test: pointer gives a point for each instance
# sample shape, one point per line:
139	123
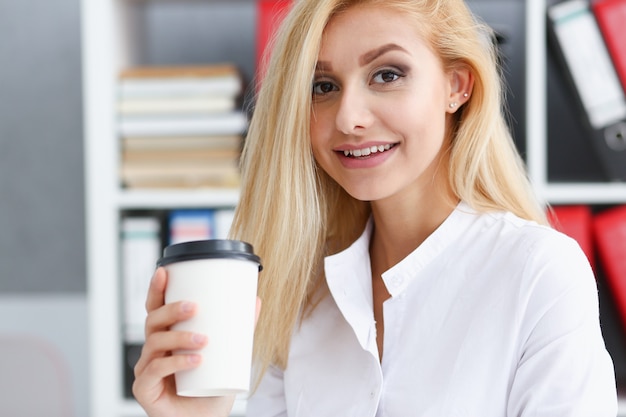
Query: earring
466	95
453	105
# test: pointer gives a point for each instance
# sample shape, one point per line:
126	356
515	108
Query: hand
154	386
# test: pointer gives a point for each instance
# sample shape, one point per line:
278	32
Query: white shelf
587	193
167	199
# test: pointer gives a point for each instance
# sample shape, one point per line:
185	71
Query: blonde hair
295	215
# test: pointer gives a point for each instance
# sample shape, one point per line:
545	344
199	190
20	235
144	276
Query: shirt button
396	281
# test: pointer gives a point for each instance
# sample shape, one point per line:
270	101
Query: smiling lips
356	153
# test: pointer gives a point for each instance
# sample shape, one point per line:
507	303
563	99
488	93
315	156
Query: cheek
422	117
315	143
319	133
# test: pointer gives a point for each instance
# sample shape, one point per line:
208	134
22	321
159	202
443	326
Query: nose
354	112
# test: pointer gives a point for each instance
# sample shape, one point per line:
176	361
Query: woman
408	267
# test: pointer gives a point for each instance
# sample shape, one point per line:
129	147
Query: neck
401	226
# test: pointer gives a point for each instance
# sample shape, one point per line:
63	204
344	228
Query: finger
156	291
150	379
167	315
162	343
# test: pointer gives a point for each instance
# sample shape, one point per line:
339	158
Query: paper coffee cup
220	276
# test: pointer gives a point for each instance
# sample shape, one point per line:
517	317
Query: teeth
367	151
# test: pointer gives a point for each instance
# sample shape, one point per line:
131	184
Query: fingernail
198	338
194	358
187	307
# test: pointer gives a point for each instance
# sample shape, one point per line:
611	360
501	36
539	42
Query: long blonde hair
294	214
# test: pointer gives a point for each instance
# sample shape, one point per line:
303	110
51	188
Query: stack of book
180	126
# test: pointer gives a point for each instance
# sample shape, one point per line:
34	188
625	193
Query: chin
367	193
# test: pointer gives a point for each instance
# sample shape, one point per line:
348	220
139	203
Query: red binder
270	13
611	18
576	222
610	233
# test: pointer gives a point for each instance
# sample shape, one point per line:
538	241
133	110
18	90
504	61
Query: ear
461	84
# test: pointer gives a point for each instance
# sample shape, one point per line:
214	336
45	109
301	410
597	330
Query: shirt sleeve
564	369
268	400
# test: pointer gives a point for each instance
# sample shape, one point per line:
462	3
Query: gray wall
42	245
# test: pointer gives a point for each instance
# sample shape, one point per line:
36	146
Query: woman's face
380	99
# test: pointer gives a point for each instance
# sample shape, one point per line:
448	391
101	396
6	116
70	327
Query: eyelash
396	74
318	84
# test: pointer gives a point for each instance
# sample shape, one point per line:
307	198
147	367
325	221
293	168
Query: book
610	235
175	132
589	69
141	248
270	14
188	225
175	142
180	175
180	167
176	105
611	18
173	81
190	156
232	123
576	222
180	71
198	224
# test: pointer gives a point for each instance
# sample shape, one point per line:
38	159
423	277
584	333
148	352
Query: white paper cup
220	276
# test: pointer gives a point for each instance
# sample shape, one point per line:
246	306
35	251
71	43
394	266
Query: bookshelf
115	35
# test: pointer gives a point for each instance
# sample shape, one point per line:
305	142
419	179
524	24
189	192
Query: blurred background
42	243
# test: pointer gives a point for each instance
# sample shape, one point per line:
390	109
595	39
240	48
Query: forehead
366	26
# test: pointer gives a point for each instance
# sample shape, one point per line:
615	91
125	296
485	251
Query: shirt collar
348	274
400	276
349	270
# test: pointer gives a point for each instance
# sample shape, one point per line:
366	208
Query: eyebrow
366	58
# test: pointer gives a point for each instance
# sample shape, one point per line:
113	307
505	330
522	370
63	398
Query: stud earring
453	105
466	95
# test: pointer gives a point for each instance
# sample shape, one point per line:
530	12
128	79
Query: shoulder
528	238
550	266
531	255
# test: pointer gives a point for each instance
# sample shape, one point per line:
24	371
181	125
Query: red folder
270	14
610	234
576	222
611	18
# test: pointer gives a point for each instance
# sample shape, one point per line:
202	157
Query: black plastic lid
207	249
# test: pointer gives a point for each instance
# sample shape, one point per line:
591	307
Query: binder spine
589	63
589	68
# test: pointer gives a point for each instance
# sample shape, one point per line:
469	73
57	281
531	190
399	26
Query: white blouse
491	316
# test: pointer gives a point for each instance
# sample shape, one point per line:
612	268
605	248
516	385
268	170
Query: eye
323	87
386	76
